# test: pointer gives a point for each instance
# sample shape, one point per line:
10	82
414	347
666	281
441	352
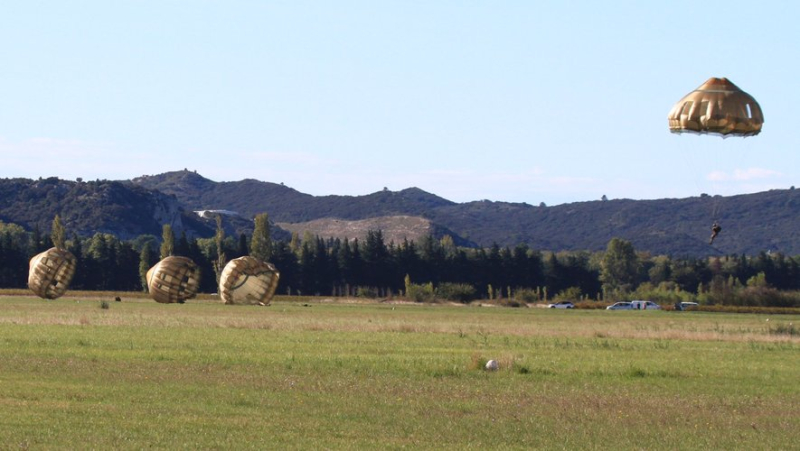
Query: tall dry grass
360	316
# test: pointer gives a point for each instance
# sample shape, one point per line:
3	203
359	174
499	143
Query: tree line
425	270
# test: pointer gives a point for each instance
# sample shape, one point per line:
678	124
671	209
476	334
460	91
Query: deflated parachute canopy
173	279
719	107
51	272
248	280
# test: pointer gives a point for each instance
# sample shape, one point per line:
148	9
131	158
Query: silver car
620	306
644	305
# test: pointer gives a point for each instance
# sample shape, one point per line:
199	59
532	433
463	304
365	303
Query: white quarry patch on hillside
211	213
393	228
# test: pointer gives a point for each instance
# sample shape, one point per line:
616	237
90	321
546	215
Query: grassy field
348	375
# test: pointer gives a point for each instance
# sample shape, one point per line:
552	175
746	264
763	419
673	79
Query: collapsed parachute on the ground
51	272
173	279
717	107
248	280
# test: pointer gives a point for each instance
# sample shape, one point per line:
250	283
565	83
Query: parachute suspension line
716	208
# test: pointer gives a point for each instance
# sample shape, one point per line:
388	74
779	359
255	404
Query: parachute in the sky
51	272
717	107
248	280
173	279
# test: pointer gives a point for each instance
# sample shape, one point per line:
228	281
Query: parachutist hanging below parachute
717	107
715	229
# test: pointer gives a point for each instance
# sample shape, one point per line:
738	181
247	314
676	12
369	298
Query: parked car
644	305
620	306
688	305
561	304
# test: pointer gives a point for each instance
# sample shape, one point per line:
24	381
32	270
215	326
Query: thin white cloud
326	174
534	176
741	181
287	157
70	158
456	184
36	147
743	175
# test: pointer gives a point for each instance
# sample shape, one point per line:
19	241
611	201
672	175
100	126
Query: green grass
330	375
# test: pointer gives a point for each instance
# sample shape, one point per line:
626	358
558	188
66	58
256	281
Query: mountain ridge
105	206
752	223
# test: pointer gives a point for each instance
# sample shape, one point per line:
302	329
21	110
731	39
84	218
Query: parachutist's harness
715	229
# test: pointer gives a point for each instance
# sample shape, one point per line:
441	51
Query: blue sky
516	101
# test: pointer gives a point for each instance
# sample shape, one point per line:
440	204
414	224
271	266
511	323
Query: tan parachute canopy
718	107
248	280
51	272
173	279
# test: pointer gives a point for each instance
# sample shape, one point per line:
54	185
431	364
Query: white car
620	306
561	304
644	305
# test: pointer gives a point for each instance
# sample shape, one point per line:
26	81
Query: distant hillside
393	228
751	223
85	208
250	197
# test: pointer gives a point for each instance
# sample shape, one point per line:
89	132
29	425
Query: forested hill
752	223
250	197
118	208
